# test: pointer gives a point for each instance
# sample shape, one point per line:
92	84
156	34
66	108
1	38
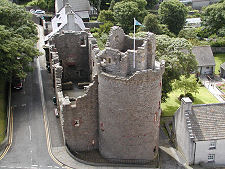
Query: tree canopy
213	18
178	57
126	10
186	85
18	36
173	13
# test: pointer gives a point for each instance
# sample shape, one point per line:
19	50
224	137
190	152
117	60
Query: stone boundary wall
93	24
218	49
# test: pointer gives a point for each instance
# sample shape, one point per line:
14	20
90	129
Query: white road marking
30	134
34	165
23	105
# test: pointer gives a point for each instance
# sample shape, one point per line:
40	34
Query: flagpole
134	45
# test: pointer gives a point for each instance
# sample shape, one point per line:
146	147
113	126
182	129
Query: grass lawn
172	104
219	59
2	111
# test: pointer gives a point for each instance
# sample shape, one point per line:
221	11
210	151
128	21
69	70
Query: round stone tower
129	102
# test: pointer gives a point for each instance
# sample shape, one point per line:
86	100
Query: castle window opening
58	24
109	60
76	123
82	42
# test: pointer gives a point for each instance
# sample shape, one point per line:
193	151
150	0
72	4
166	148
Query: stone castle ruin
118	113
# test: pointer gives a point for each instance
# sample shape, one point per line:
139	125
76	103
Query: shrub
219	42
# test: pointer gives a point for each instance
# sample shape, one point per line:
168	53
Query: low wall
218	49
93	24
5	142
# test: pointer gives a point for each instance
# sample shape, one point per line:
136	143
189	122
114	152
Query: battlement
118	57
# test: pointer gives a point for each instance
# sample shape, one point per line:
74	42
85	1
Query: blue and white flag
136	22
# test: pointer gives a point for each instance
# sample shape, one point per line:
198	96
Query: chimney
70	21
65	2
186	105
68	8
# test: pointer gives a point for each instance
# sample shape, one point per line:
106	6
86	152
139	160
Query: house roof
207	122
223	65
61	20
77	5
204	55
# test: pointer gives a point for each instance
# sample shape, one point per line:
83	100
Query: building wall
222	72
202	152
184	143
81	121
72	48
204	71
129	115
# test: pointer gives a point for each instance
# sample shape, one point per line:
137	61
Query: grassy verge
2	110
219	59
172	104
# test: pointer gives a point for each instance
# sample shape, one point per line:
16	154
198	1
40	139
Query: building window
211	157
212	145
58	24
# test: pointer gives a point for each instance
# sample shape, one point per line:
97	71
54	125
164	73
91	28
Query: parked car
32	11
38	11
17	84
54	100
56	113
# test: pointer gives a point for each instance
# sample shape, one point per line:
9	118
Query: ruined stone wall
129	115
81	121
72	49
93	53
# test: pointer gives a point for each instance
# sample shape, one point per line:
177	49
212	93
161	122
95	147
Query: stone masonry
119	114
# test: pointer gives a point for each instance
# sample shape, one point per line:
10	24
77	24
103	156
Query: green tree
18	36
213	18
173	13
126	11
179	60
186	85
151	24
151	3
106	16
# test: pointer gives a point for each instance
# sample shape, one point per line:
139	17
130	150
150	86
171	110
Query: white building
200	132
81	7
66	20
193	22
205	59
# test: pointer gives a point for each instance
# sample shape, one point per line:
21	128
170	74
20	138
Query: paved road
29	146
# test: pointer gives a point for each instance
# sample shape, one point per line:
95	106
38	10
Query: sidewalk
211	86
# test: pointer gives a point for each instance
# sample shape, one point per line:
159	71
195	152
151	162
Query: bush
190	96
219	42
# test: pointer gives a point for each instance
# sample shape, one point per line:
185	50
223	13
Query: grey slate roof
77	5
208	121
223	66
204	55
